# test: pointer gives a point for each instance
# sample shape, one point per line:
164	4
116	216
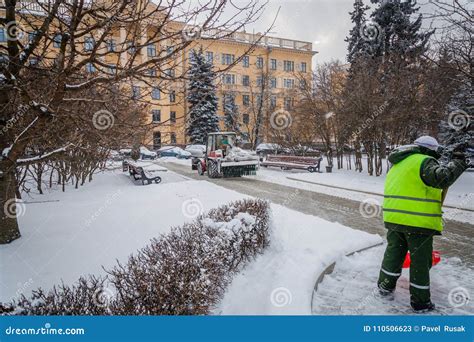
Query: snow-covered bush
184	272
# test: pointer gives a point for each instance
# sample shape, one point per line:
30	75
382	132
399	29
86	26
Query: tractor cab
219	144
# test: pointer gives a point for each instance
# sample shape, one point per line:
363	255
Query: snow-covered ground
360	186
351	290
66	235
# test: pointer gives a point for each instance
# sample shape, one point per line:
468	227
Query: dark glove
460	153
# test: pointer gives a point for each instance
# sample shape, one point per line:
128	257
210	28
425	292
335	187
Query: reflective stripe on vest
409	201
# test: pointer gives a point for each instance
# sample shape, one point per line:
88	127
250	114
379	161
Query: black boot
422	307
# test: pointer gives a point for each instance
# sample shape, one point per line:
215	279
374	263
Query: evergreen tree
357	43
231	114
458	127
202	99
399	35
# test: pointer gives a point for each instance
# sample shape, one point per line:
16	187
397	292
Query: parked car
266	148
196	150
147	154
173	151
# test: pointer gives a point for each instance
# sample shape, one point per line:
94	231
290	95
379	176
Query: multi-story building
261	72
279	63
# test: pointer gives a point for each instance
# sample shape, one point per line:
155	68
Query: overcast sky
325	23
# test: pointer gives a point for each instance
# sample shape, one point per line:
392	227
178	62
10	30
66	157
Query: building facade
260	72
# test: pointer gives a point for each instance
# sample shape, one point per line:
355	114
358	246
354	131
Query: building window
259	81
173	117
3	37
273	101
156	115
246	100
227	59
156	140
90	68
288	83
173	96
245	118
302	83
57	40
111	46
151	50
246	61
31	36
131	48
246	80
273	82
111	69
303	66
273	64
210	57
34	61
89	44
169	50
170	73
288	103
173	138
152	72
288	65
260	62
228	79
155	93
135	92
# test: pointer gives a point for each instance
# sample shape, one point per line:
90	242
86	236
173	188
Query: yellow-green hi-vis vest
407	200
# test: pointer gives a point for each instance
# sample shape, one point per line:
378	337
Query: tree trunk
9	229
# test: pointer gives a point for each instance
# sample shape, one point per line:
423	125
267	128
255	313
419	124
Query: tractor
224	159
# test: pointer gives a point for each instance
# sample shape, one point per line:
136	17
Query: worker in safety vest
412	214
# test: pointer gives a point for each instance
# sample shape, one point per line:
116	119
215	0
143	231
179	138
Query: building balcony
252	38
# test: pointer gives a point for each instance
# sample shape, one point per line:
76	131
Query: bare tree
84	51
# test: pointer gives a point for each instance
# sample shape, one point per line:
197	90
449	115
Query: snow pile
181	273
237	154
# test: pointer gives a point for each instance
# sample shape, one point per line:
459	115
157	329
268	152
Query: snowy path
456	241
351	290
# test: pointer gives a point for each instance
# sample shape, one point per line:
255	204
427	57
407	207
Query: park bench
311	164
138	173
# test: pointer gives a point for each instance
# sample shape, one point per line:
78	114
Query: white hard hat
427	142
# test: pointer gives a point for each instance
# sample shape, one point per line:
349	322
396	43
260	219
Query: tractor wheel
199	168
212	171
311	169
